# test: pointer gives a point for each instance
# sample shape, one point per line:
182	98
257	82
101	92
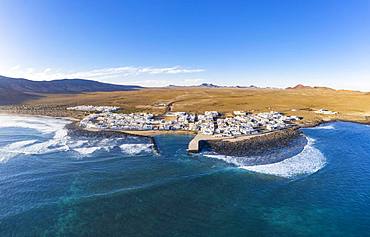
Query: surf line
75	129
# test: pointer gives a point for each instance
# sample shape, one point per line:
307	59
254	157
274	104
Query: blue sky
155	43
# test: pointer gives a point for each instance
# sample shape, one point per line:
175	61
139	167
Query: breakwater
252	145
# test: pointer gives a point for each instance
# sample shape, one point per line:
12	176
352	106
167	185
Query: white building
325	111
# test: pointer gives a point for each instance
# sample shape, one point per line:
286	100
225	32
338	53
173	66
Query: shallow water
55	185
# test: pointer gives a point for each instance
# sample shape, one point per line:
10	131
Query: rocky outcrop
254	145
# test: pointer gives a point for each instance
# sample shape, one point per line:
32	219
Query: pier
194	144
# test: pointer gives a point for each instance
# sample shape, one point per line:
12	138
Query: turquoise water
55	185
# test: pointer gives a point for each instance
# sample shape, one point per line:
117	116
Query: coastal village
210	123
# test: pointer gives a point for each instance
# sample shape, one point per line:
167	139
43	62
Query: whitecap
5	156
78	143
86	150
56	139
235	160
31	147
329	127
11	150
309	161
133	149
41	124
17	145
54	127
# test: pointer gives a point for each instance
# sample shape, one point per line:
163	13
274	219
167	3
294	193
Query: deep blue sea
55	185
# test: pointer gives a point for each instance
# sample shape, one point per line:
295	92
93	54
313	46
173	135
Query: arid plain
350	105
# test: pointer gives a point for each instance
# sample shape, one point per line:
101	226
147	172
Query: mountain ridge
301	86
16	90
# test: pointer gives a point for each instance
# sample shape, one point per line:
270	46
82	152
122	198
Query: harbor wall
253	145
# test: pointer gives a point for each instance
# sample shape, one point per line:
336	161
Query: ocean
52	184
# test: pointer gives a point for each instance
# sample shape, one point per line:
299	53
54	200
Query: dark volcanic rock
255	146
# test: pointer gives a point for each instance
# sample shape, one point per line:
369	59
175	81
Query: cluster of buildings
91	108
246	124
209	123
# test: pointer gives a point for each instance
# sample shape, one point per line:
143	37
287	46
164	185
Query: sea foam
34	147
308	161
134	149
54	138
41	124
86	150
329	127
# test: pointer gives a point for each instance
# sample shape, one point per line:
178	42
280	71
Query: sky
267	43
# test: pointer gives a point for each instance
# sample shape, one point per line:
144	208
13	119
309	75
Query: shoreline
152	133
244	144
76	116
75	128
40	116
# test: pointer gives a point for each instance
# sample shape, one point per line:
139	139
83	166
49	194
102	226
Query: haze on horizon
157	43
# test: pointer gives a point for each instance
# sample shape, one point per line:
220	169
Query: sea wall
254	145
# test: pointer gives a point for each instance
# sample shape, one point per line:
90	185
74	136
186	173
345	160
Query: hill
16	90
301	87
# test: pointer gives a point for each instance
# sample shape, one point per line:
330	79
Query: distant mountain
204	85
60	86
300	86
16	90
208	85
8	96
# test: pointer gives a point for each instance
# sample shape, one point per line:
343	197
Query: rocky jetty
255	145
75	130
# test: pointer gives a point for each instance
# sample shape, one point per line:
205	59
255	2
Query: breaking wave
41	124
53	137
323	127
134	149
86	150
308	161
